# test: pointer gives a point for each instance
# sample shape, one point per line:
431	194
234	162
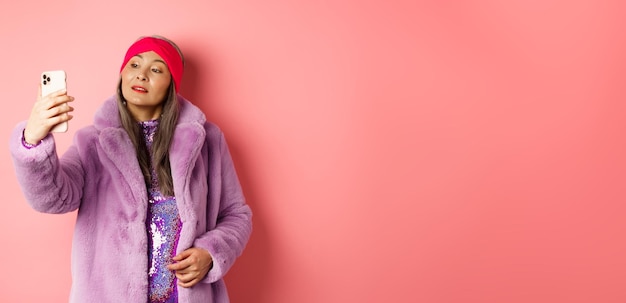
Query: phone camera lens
45	82
44	76
48	79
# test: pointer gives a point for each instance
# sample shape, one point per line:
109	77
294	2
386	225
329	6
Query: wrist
27	144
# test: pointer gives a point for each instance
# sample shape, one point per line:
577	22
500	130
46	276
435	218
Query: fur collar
187	143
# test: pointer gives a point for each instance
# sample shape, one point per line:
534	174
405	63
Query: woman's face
145	83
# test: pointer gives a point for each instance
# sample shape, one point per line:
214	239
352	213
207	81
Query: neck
141	113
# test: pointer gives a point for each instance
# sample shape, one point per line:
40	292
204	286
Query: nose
141	76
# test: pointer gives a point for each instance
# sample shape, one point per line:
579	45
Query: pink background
392	151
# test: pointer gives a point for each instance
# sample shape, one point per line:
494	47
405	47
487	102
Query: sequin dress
163	225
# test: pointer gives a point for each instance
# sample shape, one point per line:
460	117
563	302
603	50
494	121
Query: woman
161	214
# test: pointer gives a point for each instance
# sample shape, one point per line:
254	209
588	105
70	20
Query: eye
156	70
134	65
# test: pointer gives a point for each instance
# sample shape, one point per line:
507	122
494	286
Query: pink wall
393	151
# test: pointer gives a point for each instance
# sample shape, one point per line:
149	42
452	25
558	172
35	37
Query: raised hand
47	112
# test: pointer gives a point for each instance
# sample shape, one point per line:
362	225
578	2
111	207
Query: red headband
164	49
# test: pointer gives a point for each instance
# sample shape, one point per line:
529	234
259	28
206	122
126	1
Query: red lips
139	89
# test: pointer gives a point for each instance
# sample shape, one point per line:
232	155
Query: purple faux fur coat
100	177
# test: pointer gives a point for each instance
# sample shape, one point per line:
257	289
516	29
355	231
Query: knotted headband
164	49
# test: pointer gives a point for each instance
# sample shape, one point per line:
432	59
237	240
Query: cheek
126	78
163	85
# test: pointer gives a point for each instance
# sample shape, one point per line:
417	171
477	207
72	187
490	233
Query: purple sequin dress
163	225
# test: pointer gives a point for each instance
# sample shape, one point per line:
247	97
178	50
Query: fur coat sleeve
37	165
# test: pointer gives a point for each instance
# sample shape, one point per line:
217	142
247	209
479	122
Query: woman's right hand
47	112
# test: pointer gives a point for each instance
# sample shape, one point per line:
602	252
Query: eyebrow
156	60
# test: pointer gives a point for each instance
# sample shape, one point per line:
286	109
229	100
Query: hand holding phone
52	81
52	110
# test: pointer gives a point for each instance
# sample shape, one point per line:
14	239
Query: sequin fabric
163	225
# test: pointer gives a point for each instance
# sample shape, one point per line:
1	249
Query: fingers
179	265
182	260
189	279
47	113
188	283
186	277
183	255
191	266
64	117
186	272
54	100
54	106
54	94
59	114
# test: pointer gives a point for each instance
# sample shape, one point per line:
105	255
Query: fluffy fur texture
99	176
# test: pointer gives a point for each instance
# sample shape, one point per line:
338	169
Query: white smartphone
52	81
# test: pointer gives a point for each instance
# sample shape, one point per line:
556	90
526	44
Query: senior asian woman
161	213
